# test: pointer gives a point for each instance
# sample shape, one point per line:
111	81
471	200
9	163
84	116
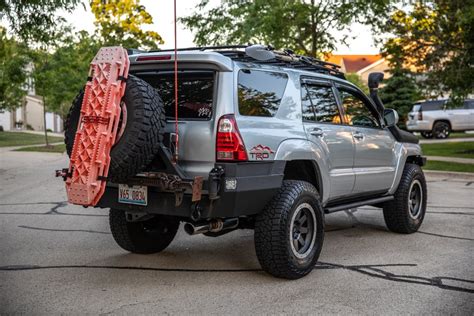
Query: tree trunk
44	118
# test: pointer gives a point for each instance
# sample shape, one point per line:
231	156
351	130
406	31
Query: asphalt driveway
59	258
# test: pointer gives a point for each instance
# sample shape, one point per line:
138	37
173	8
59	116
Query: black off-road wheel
143	237
427	135
441	130
406	212
141	129
289	233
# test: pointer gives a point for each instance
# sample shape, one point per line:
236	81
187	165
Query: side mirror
390	116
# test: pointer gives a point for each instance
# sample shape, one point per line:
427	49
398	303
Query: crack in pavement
371	270
444	236
64	230
52	211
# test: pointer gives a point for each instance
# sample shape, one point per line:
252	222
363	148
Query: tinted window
432	106
356	111
319	104
195	92
469	104
260	92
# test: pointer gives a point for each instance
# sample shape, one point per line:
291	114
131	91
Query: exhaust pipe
214	226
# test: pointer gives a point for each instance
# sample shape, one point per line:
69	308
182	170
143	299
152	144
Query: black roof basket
286	58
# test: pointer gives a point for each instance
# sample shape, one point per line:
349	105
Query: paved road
57	258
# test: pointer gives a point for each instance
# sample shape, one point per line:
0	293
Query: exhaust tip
189	229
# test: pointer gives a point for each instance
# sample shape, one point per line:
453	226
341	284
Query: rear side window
319	104
432	106
260	92
195	92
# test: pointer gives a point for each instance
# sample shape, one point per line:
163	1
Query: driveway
59	258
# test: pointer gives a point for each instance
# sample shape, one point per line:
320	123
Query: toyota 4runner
265	140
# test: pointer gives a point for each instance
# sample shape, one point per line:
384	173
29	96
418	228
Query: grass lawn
449	166
461	150
20	139
51	149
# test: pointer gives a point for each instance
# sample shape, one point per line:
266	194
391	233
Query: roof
353	63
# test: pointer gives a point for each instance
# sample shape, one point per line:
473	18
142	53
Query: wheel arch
304	170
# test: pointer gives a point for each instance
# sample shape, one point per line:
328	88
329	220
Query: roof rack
286	58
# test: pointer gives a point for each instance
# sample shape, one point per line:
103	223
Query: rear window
416	108
260	92
195	92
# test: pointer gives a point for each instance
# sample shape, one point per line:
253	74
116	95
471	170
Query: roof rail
285	58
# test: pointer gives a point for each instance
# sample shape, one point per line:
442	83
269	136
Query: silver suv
267	140
434	119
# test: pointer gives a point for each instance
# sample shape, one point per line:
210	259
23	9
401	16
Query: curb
452	174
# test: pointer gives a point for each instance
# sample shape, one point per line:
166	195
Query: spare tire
139	136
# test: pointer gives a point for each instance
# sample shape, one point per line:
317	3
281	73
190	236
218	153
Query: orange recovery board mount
98	126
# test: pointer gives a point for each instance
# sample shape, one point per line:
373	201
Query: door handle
316	132
358	135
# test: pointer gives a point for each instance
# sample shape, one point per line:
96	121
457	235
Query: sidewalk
451	159
12	148
448	140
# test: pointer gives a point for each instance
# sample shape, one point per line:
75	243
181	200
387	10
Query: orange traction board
98	125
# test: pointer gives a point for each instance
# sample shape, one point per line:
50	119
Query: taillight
420	116
229	143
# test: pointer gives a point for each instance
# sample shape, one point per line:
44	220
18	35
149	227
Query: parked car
434	119
269	141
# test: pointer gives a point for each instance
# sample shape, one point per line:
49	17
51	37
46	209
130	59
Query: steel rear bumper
242	189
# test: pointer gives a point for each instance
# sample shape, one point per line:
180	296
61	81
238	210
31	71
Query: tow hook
214	182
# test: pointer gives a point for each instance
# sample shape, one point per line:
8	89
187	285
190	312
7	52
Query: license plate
135	194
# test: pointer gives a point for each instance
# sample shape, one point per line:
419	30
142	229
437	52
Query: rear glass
260	92
195	92
416	108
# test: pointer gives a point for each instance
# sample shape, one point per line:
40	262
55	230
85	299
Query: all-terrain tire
406	212
143	237
143	133
275	235
441	130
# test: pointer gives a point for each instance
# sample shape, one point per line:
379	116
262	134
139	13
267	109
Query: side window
469	104
260	92
319	104
356	111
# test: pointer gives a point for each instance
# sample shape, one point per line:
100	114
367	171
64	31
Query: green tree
13	62
400	92
34	20
60	75
435	39
306	27
356	79
119	22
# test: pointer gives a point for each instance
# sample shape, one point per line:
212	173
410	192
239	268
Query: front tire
289	233
143	237
406	212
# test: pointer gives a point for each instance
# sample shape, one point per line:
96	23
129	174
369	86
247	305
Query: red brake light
229	143
420	115
156	57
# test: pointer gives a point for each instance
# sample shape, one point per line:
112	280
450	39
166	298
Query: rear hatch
196	107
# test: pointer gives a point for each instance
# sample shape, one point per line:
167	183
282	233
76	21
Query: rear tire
406	212
289	233
143	237
441	130
427	135
143	130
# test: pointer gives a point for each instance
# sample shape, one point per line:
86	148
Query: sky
162	13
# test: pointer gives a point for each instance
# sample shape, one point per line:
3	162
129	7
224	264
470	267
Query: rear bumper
418	126
256	184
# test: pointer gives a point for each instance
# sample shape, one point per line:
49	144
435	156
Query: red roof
354	63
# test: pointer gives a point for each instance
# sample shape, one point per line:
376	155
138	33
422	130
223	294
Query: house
362	65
